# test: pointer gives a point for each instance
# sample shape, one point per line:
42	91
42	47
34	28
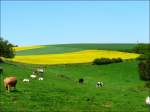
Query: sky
59	22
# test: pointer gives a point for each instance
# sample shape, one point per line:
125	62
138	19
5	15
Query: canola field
84	56
22	48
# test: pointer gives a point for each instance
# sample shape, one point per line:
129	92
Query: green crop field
60	91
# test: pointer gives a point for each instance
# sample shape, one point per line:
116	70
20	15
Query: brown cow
10	82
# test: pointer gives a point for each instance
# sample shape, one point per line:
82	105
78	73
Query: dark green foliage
144	70
143	57
6	49
144	65
116	60
102	61
142	49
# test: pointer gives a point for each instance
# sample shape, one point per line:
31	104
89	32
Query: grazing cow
40	72
99	84
1	70
26	80
40	78
10	82
148	100
33	76
81	81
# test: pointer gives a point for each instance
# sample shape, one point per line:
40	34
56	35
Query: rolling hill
60	91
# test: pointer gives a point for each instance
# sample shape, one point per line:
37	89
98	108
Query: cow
99	84
33	76
10	82
81	80
148	100
26	80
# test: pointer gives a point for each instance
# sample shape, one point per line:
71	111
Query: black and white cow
99	84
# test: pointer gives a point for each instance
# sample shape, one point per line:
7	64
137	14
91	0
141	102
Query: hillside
60	90
64	48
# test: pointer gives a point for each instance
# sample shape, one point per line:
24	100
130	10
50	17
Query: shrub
144	70
6	49
102	61
142	48
116	60
142	57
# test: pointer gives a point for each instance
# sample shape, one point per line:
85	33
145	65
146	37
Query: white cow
26	80
40	70
148	100
33	76
40	78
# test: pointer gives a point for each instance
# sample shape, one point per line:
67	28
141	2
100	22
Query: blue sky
49	22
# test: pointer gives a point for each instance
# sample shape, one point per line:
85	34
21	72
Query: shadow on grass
12	91
15	91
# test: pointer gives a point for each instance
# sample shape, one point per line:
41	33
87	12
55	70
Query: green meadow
60	90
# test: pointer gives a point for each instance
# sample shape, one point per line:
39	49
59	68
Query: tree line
6	49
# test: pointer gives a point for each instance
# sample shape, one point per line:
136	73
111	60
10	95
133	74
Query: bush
102	61
142	48
144	70
6	49
116	60
142	57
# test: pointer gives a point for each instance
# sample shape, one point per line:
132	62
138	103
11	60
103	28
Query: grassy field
60	91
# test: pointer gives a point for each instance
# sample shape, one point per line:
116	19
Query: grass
60	91
65	48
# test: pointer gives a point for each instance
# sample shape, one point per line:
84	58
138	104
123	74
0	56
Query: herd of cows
10	82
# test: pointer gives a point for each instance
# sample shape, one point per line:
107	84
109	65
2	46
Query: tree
6	49
144	65
144	70
142	48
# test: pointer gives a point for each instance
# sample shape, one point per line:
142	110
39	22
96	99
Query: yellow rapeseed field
21	48
73	57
